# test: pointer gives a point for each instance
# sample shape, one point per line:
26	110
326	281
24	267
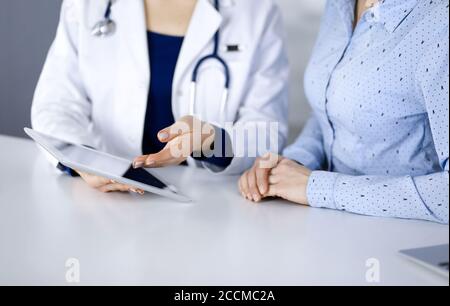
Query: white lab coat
94	91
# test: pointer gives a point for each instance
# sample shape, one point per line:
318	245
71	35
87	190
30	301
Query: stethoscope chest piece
104	28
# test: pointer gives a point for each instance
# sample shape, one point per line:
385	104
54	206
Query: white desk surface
220	239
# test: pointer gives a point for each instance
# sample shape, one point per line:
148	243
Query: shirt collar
390	13
346	9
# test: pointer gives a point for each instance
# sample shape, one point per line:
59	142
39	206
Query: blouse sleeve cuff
320	190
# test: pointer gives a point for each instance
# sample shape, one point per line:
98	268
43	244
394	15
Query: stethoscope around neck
107	27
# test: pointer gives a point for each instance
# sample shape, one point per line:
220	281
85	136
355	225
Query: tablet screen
142	176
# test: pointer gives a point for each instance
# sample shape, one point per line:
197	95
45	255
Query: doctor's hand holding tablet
166	82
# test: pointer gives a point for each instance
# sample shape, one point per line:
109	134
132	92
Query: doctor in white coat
96	87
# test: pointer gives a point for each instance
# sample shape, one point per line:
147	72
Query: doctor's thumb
174	131
165	135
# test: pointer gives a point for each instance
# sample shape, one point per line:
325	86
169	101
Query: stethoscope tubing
213	56
108	11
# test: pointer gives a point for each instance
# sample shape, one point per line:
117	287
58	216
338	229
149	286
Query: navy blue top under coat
163	51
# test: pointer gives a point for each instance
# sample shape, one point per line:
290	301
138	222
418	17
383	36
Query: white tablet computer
434	258
105	165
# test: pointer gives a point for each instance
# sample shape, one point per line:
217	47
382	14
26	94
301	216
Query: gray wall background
27	28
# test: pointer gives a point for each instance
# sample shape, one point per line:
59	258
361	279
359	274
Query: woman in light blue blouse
378	140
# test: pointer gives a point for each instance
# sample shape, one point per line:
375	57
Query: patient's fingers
273	191
245	188
241	189
252	185
278	170
262	178
116	187
274	179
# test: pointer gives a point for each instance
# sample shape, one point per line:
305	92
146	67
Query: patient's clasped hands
275	176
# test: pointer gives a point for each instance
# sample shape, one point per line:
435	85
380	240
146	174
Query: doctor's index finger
139	162
166	157
163	158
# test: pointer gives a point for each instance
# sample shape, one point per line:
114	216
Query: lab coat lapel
205	22
133	71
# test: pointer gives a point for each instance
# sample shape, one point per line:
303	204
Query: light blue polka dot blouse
378	138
